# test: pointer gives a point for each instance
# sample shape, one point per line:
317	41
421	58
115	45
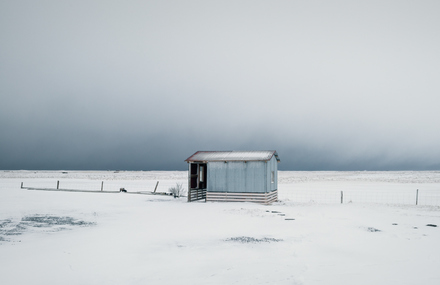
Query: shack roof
264	155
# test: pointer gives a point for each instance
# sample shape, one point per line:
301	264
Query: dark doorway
198	175
198	183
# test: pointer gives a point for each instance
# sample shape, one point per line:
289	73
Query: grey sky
330	85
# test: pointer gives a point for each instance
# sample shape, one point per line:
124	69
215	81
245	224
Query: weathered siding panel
254	177
235	176
217	172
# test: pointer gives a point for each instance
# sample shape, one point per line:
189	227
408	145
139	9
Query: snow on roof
233	156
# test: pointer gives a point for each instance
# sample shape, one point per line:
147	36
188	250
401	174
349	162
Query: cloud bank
141	85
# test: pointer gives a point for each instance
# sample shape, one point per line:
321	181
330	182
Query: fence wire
95	185
391	196
308	192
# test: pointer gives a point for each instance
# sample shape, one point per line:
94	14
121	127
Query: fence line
304	193
111	186
402	197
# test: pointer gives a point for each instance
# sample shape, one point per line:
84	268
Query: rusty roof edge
276	156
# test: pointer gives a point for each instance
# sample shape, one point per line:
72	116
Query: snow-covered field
377	236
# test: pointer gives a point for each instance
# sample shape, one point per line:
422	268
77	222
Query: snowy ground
49	237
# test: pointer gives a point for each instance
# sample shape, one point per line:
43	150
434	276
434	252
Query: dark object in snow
122	190
276	212
44	223
431	225
49	221
4	223
244	239
289	219
177	191
281	214
373	230
394	224
415	228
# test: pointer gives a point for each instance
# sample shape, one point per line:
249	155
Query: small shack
246	176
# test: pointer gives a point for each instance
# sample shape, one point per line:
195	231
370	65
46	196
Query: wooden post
417	197
102	185
189	182
342	197
155	188
21	185
58	184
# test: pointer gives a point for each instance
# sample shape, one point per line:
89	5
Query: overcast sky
142	85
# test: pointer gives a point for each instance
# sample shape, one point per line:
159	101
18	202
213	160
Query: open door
197	183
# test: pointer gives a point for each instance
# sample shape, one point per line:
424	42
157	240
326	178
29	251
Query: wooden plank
235	198
273	193
238	194
264	198
196	195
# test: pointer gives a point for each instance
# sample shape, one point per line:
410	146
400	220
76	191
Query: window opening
202	174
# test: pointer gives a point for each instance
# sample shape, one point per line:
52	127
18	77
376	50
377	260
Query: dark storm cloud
144	84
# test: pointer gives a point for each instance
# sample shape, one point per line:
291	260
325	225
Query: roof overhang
226	156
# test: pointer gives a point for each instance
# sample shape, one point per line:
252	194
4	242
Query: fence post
58	184
342	197
155	188
21	185
102	185
417	197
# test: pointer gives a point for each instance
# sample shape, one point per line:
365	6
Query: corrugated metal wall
254	177
242	177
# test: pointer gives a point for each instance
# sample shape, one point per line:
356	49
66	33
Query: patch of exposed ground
33	223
